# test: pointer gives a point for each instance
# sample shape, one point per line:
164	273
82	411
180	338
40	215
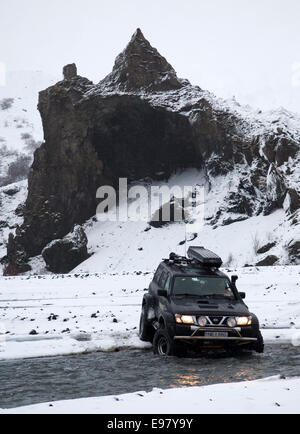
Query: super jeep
192	304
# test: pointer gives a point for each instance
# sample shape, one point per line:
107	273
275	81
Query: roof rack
176	259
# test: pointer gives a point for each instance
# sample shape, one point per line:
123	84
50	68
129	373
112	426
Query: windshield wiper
186	295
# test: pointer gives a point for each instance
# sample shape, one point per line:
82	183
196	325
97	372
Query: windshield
198	286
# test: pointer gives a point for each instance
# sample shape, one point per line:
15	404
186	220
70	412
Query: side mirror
162	293
234	279
242	295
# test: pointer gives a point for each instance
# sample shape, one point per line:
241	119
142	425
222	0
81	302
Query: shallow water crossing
26	382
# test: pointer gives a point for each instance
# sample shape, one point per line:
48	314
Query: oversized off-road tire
146	330
259	346
164	345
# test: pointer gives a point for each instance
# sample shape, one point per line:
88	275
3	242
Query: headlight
184	319
231	322
202	321
244	320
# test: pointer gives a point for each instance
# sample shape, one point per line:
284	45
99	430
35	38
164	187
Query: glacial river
25	382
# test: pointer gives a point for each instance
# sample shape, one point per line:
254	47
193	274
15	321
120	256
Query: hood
194	306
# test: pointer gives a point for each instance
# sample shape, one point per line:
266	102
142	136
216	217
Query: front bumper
238	335
216	338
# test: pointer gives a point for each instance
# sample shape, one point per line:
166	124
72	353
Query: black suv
191	303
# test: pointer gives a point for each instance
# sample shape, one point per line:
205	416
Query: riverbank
271	395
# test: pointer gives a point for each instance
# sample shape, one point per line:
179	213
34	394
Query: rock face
143	121
62	256
294	251
268	261
70	71
172	211
16	258
292	201
140	66
11	191
266	248
276	189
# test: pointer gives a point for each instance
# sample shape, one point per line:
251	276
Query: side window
168	284
158	274
163	279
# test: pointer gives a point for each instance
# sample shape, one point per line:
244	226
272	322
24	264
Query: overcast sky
245	48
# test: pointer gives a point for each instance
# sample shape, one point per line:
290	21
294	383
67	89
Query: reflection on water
186	380
42	380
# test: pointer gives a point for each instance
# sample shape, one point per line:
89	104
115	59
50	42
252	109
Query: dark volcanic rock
70	71
19	211
33	333
279	149
266	248
230	221
12	191
62	256
141	67
3	224
276	189
238	203
134	140
65	172
217	166
268	261
170	212
294	251
292	201
16	259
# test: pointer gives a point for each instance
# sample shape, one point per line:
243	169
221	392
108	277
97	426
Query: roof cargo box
204	257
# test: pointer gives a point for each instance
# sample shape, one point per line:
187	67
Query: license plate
216	334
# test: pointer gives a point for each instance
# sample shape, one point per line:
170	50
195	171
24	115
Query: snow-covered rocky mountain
145	124
21	130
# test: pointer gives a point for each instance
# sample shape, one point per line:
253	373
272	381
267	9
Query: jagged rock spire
70	71
141	67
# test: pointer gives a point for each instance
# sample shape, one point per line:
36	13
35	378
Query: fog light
231	322
202	321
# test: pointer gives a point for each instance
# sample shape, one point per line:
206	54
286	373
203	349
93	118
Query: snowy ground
83	313
271	395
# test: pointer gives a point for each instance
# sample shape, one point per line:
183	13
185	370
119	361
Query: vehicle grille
216	321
